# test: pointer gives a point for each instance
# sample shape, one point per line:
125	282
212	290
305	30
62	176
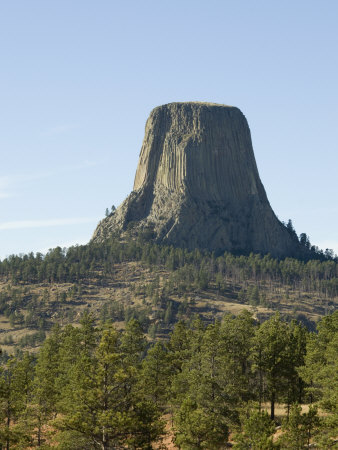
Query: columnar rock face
197	185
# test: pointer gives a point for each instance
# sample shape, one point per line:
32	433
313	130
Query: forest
155	369
208	386
164	285
80	262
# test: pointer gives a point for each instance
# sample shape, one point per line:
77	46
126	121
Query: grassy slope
129	287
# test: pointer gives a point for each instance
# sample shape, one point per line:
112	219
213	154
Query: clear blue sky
78	79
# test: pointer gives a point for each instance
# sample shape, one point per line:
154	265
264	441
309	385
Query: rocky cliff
197	185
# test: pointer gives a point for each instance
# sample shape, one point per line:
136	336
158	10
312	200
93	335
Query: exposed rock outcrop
197	185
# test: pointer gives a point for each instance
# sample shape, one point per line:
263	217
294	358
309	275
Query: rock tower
197	185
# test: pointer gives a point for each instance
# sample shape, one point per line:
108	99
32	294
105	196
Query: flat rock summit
197	185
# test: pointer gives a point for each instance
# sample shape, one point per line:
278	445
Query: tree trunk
260	382
8	424
272	414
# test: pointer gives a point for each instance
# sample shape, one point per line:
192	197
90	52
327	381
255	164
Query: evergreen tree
208	394
257	431
271	358
198	428
46	395
15	392
237	337
179	347
133	343
295	385
156	374
99	409
298	428
321	371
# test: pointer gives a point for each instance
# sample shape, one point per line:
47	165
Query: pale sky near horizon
79	78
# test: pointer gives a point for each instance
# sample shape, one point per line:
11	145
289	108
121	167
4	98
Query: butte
197	185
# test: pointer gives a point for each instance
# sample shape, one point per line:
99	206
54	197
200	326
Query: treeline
97	388
98	261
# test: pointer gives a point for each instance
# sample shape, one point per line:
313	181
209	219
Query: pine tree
22	383
46	395
321	371
295	385
257	431
271	358
198	428
237	337
298	428
207	394
98	409
15	391
156	374
133	343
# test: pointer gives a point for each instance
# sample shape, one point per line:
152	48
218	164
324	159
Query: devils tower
197	185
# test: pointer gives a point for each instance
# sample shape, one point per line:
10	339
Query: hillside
128	277
205	387
192	371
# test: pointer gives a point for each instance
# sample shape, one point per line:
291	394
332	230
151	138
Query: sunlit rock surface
197	185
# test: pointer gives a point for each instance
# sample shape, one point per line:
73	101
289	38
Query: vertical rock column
197	184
